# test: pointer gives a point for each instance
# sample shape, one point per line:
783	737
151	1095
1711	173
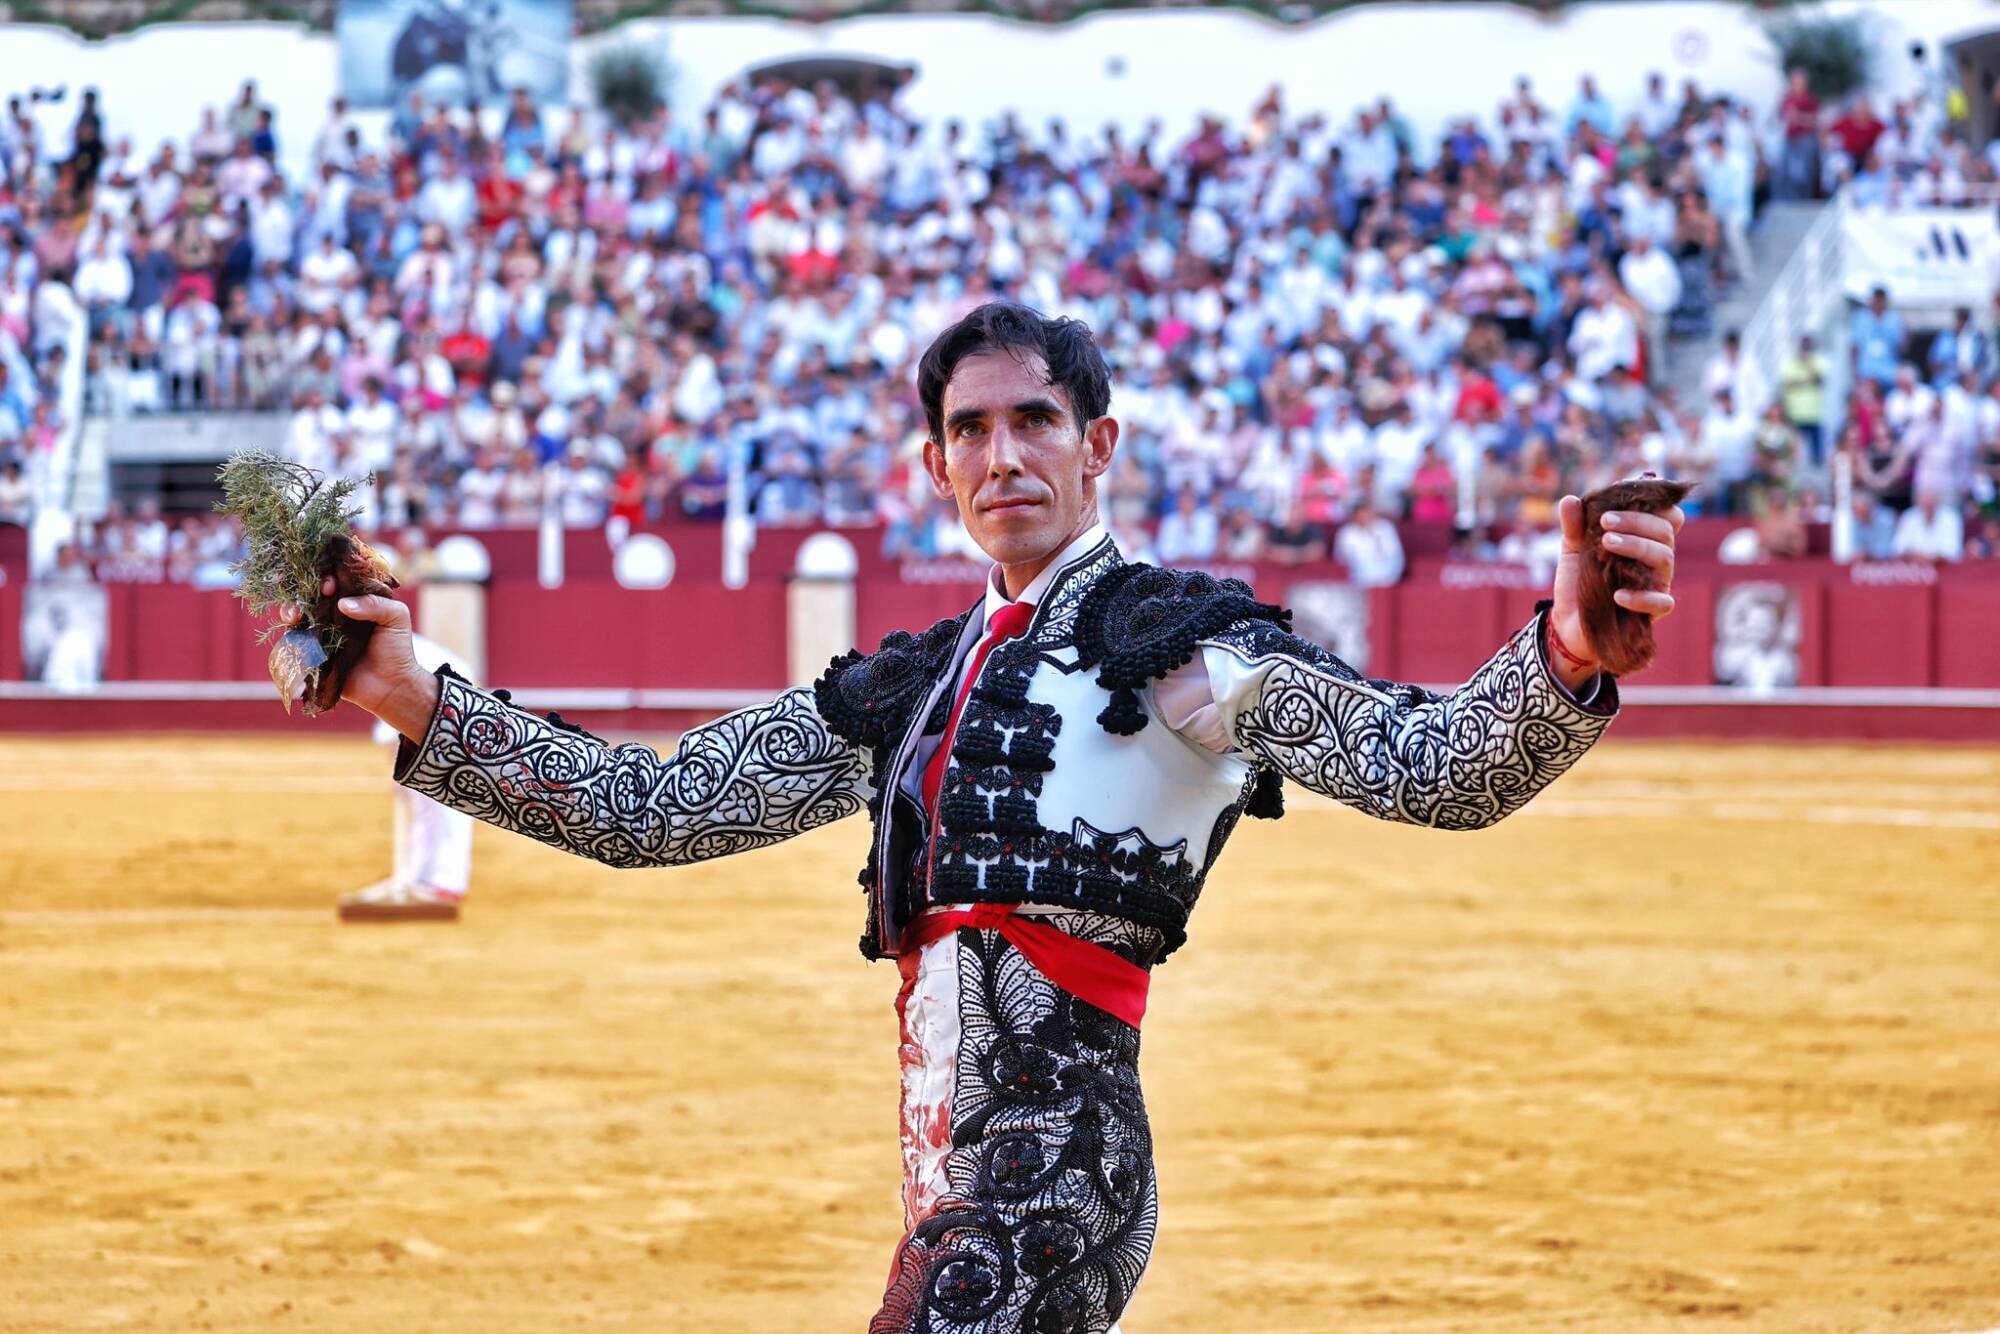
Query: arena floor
1706	1037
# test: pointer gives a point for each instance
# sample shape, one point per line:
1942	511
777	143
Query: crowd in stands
1318	325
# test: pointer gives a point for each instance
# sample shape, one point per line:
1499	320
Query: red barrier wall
598	634
1870	627
10	623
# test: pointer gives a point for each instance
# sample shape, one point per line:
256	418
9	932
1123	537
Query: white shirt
1652	278
1940	537
1372	552
1601	338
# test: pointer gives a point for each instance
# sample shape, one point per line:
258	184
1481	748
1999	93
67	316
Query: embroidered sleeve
1459	761
748	779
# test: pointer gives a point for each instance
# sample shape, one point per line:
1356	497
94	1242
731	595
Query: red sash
1088	972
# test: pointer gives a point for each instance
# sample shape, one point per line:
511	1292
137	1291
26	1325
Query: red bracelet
1556	642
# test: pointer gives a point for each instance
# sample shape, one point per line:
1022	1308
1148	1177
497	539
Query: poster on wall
1924	256
452	50
1757	632
63	631
1334	616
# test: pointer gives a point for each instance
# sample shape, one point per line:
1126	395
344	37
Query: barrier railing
1806	299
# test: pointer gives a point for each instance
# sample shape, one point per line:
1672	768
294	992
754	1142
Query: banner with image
453	51
1758	627
64	627
1924	256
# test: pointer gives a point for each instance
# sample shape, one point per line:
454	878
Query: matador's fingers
1569	512
1645	550
1648	602
1656	526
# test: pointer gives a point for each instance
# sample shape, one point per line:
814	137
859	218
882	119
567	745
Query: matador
1051	776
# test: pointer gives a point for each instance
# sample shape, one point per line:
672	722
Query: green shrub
630	82
1835	53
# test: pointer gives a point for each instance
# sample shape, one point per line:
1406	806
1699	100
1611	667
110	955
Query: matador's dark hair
1064	345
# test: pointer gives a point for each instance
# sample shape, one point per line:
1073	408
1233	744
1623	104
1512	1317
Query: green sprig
290	514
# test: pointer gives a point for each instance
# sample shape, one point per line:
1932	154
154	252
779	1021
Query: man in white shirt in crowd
1653	280
325	274
241	176
1399	448
1728	179
1369	547
1908	401
448	199
149	531
103	281
1602	337
1726	449
1189	531
371	420
582	489
1943	448
309	438
160	191
479	489
1345	443
1656	112
17	495
271	225
1930	530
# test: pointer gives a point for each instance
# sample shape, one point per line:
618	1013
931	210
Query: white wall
1436	60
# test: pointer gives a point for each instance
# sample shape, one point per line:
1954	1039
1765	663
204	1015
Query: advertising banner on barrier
1924	256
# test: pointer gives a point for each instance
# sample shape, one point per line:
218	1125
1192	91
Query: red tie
1006	623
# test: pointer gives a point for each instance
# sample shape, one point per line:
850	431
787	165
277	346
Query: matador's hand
387	681
1647	538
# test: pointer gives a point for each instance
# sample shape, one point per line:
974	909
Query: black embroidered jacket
1062	787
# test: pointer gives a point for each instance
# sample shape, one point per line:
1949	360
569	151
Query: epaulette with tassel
1140	623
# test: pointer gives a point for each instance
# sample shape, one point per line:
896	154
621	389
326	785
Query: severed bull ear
297	534
1622	640
358	570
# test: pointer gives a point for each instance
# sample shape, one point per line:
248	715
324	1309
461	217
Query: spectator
1874	527
1433	489
1802	382
103	283
1369	546
1959	349
1774	460
17	497
1727	451
1655	283
1604	336
522	492
1876	333
1728	178
1798	166
583	491
1930	530
1189	534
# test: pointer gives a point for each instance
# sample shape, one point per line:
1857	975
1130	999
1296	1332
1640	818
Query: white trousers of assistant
433	844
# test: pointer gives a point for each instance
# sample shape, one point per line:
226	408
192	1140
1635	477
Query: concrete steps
1772	241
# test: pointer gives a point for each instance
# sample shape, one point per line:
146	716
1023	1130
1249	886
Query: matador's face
1021	467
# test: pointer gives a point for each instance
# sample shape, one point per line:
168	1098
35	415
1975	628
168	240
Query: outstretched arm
1398	752
1460	761
748	779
